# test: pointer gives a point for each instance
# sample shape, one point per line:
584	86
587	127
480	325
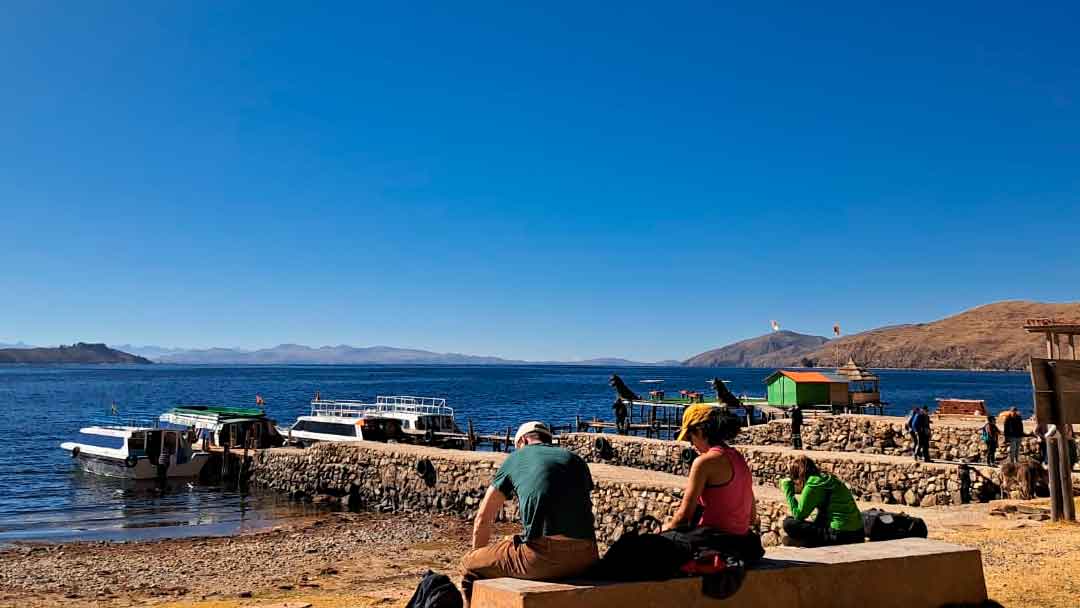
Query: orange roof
806	376
810	377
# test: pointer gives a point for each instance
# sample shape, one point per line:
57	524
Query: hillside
987	337
76	353
776	349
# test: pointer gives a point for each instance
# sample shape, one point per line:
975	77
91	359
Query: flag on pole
775	325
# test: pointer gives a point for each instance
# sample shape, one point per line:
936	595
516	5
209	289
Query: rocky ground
343	559
360	560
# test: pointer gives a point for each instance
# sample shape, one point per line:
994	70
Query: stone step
910	573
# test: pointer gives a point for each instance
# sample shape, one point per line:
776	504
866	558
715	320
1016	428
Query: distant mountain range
297	354
79	352
986	337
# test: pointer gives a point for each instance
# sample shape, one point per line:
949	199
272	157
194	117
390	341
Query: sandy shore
360	560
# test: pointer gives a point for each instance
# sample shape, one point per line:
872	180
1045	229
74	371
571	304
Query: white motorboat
133	452
391	418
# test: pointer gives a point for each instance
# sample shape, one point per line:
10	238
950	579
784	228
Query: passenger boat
132	452
227	427
404	418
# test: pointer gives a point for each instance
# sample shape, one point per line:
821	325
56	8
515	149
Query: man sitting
552	487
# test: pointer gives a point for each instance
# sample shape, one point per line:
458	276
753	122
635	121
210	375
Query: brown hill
771	350
987	337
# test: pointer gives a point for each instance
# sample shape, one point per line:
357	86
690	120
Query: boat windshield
101	441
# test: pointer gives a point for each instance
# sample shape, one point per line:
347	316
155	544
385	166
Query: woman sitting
838	521
719	499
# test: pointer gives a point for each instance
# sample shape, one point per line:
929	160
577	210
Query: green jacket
843	513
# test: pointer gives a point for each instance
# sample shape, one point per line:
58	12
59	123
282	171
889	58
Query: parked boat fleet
178	444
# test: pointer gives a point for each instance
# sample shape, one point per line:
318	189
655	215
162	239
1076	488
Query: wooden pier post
1052	462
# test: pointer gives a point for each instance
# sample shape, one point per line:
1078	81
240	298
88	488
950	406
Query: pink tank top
729	507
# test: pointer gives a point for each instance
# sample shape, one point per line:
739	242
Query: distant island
986	337
80	352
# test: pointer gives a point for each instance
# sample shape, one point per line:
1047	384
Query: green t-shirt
844	514
552	486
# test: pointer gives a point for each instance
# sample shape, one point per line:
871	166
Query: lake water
46	497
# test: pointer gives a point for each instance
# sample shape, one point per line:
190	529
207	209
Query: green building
807	388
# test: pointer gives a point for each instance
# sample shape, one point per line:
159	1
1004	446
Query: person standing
989	435
553	488
620	410
923	430
796	427
1014	433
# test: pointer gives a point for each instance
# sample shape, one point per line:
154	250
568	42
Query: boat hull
143	469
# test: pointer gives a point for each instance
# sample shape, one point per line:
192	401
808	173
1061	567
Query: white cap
531	427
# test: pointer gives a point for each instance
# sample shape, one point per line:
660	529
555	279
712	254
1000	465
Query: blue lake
46	497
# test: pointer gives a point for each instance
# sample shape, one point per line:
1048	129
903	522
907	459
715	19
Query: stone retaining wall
951	439
385	477
870	477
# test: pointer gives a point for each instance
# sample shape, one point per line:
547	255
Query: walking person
924	432
1014	433
796	427
909	426
553	488
989	434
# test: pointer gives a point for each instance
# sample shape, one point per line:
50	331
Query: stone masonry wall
870	477
951	439
385	477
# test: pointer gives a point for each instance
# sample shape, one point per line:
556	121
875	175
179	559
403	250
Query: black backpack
436	591
882	525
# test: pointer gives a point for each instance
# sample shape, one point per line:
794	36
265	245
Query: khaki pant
541	559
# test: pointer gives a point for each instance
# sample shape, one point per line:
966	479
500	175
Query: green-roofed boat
228	427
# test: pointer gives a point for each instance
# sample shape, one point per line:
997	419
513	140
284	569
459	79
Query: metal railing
125	421
404	404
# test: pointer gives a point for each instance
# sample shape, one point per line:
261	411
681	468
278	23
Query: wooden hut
863	385
786	388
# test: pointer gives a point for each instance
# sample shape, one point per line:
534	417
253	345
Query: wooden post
1072	347
1065	468
1052	456
471	440
1049	345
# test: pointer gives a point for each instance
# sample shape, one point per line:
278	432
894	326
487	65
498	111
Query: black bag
436	591
882	525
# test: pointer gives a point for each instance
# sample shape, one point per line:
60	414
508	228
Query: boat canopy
210	416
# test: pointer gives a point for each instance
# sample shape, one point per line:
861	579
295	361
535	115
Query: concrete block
909	573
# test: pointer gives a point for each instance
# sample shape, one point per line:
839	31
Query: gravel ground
365	559
375	560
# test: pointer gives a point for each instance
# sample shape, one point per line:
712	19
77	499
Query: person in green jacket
838	520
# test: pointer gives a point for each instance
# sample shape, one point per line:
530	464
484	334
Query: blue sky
553	181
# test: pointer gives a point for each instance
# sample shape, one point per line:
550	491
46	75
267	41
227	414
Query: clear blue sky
558	181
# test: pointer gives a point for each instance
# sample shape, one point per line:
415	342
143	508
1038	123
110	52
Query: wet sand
360	560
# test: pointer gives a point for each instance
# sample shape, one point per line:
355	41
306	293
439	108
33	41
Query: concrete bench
910	573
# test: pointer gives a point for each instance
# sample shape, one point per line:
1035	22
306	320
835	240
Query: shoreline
361	560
